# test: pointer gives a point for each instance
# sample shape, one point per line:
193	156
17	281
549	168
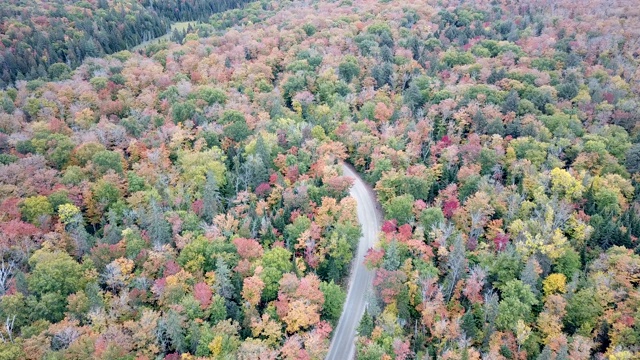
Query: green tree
106	193
431	217
506	266
107	160
583	311
568	263
453	57
58	198
36	208
54	276
413	97
50	306
183	111
171	331
517	300
293	230
632	161
223	284
276	261
365	328
83	153
54	272
400	208
15	305
59	71
511	102
371	351
197	255
334	298
349	69
237	131
392	260
59	149
211	95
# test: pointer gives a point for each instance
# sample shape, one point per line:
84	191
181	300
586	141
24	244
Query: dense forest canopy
187	201
46	39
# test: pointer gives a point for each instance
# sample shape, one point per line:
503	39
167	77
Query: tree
171	332
413	97
252	290
211	200
371	351
383	74
198	255
516	303
55	275
300	315
211	95
223	284
71	217
158	228
299	301
583	311
183	111
568	263
59	71
107	160
554	283
632	161
334	298
563	184
35	209
431	217
453	58
400	208
456	266
255	171
365	328
349	69
237	131
511	102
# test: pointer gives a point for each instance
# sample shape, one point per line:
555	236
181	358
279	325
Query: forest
45	39
187	201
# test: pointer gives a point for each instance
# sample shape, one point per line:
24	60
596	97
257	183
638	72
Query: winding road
361	280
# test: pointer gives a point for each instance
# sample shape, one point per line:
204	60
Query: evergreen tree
511	102
158	228
223	284
365	328
391	257
211	200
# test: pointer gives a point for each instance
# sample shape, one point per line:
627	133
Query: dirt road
360	282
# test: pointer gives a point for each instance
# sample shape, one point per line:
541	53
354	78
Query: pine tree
392	257
511	102
158	228
529	275
222	284
366	325
211	200
413	97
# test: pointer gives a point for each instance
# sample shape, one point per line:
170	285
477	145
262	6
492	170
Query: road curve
361	280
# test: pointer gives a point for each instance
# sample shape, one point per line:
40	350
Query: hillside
46	39
188	201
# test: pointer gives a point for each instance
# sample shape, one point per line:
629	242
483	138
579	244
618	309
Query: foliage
185	198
